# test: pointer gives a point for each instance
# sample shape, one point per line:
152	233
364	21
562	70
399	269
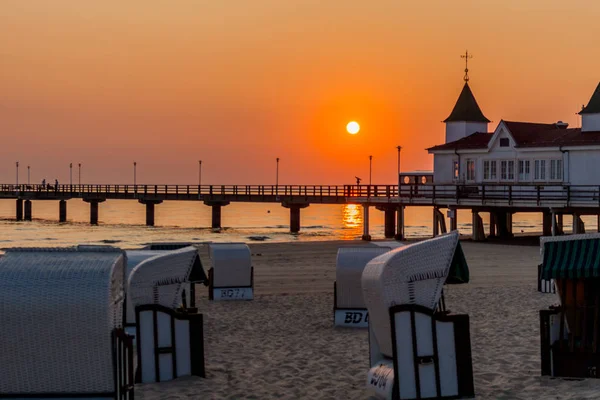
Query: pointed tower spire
590	114
466	116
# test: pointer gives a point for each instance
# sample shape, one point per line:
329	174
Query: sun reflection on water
352	216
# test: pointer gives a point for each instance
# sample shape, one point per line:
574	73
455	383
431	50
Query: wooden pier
501	201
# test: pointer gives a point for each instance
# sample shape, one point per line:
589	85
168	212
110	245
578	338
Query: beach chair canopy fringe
573	257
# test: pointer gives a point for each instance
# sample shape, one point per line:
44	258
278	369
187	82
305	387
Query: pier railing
526	194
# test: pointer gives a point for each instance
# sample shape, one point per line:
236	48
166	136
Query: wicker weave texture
160	279
232	264
58	308
349	266
413	274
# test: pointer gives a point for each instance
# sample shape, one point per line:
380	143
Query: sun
353	127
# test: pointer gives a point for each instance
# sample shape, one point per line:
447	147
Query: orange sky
238	83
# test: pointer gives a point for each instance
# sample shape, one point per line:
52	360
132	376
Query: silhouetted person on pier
358	180
56	184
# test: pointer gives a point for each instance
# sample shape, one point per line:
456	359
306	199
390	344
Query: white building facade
517	153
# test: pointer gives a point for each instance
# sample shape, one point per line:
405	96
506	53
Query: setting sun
353	127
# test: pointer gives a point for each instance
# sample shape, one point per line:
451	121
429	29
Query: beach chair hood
572	257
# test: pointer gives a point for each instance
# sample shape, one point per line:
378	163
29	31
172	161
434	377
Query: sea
122	224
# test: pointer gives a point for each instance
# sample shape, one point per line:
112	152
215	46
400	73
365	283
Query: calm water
122	223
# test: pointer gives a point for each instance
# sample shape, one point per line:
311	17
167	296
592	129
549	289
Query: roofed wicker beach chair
170	338
135	257
60	324
231	276
411	334
570	333
349	308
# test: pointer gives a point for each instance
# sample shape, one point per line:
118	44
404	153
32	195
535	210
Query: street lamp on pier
370	169
70	174
79	176
17	163
134	173
199	172
28	168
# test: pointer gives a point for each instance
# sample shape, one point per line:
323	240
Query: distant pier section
501	201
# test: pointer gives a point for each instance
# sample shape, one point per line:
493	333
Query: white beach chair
135	257
349	308
169	338
429	350
60	324
231	276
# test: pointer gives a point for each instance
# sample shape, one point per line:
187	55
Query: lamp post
79	176
71	174
28	168
370	168
277	176
199	172
17	163
399	183
134	173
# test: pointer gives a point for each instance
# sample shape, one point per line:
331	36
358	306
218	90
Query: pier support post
492	224
547	224
389	219
399	223
453	214
560	225
366	236
554	228
62	211
477	224
503	220
216	212
19	210
28	214
578	225
94	209
150	205
439	223
294	215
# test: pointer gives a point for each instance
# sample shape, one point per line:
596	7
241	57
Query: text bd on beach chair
570	333
170	338
135	257
231	276
60	324
349	308
411	335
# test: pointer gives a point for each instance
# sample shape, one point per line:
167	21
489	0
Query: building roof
477	140
593	106
528	134
466	108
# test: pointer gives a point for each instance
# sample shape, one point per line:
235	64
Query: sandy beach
283	345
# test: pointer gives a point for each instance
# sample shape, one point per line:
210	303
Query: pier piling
62	211
294	215
28	214
19	215
453	214
150	206
366	236
94	209
478	234
389	219
399	223
547	219
216	212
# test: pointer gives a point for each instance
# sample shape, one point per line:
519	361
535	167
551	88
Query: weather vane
466	56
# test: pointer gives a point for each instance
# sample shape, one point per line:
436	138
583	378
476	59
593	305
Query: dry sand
283	345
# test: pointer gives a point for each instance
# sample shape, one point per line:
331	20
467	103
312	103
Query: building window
523	170
540	170
489	170
504	142
556	170
470	170
507	170
455	170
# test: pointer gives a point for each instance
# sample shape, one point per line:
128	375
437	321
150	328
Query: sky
238	83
